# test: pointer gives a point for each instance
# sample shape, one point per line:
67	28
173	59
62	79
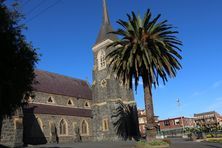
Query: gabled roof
61	85
106	27
56	110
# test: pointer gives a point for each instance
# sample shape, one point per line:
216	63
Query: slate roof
32	108
61	85
104	34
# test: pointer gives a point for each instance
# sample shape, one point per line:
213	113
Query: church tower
106	89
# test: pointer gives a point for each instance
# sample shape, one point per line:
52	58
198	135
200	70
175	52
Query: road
116	144
176	143
181	143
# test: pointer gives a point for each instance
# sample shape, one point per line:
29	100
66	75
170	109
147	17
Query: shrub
209	136
214	135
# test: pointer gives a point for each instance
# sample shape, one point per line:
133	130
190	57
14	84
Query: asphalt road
181	143
176	143
116	144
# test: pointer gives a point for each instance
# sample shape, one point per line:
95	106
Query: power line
44	10
36	7
25	3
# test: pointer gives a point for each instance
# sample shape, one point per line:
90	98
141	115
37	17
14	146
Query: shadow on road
2	146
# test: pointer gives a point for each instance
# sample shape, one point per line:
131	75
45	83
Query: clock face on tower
103	83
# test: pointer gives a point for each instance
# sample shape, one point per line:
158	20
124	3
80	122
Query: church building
64	108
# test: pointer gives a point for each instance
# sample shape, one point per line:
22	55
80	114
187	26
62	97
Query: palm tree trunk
151	130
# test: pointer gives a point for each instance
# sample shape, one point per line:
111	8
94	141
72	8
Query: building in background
220	120
174	127
143	122
211	118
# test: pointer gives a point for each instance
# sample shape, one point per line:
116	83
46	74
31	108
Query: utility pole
179	105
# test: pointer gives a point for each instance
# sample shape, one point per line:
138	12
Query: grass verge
152	144
214	140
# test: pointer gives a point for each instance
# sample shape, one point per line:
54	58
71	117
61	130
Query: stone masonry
12	130
106	89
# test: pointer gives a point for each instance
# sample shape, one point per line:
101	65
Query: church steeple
106	27
105	13
107	91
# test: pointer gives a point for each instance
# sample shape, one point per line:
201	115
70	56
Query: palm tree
148	49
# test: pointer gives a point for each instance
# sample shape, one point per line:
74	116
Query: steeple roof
106	27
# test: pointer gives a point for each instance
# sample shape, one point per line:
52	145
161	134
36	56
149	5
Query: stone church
65	108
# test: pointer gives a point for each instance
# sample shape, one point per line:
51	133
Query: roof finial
105	13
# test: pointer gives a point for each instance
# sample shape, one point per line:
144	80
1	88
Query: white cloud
217	84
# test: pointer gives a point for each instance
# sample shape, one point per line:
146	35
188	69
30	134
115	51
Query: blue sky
66	32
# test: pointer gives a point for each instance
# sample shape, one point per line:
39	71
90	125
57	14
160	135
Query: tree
17	61
148	49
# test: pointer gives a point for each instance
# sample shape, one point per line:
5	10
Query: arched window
101	59
39	123
51	100
86	104
18	123
84	127
30	99
105	125
70	102
63	127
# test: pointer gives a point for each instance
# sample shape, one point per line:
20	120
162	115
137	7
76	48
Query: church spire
106	27
105	13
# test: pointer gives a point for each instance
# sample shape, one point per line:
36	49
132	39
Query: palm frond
147	48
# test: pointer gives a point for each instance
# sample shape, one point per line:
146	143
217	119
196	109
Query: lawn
214	140
152	144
